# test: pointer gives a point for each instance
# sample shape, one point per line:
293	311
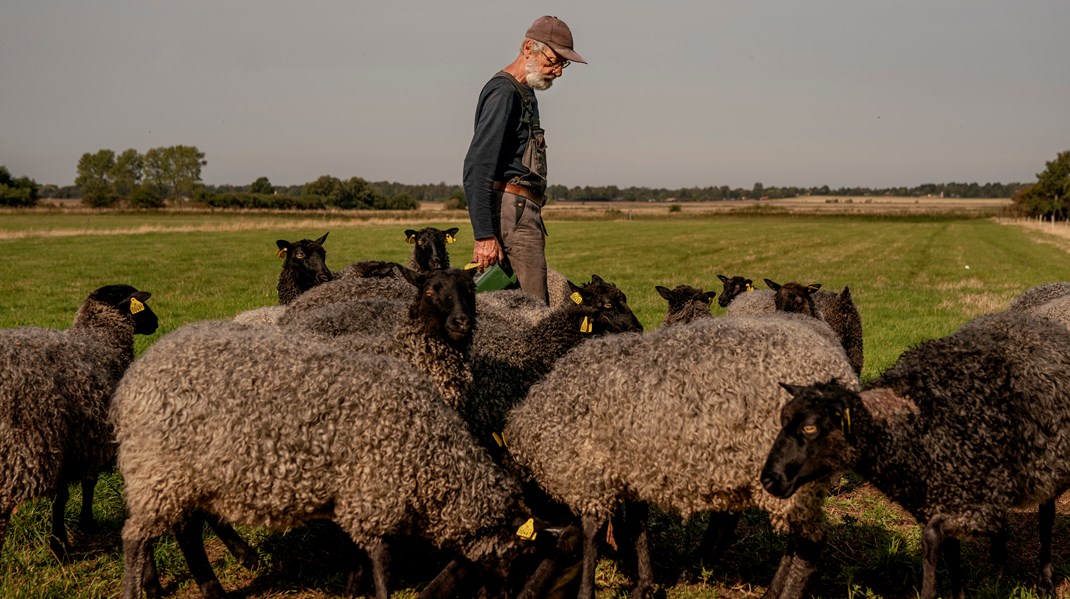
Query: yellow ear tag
280	253
136	306
411	239
845	424
749	288
499	439
709	302
576	297
586	326
527	530
450	239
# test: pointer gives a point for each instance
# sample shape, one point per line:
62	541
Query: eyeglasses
552	64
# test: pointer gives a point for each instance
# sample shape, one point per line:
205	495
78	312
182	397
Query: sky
676	94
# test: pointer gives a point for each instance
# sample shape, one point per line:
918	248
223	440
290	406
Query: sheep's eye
430	293
809	429
608	306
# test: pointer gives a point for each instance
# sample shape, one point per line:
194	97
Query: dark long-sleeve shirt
496	151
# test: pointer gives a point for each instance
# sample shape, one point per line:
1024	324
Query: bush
263	201
144	197
19	192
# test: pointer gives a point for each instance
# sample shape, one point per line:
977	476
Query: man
505	168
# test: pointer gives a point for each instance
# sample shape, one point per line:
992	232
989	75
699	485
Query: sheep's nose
323	277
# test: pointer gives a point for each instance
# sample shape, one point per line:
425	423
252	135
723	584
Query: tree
125	173
93	178
19	192
262	185
1050	195
174	171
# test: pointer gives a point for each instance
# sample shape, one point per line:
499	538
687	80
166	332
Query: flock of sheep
519	437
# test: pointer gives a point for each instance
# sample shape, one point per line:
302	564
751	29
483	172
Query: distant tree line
173	175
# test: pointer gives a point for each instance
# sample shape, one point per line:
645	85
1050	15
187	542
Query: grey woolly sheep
959	431
1041	294
837	309
678	419
55	387
509	308
508	360
289	429
433	331
686	303
305	267
733	287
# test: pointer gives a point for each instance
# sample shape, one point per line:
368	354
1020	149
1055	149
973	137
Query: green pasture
913	278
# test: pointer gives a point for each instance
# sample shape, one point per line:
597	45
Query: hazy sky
677	94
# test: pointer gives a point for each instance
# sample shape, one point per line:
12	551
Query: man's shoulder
499	83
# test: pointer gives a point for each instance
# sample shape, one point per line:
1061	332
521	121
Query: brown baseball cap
553	32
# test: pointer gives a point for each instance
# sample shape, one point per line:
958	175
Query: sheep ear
664	291
413	277
597	280
451	234
812	288
324	238
284	246
723	278
410	236
792	390
772	285
709	297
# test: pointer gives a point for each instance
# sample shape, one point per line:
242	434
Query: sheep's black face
446	300
681	296
607	307
307	260
429	251
794	297
813	440
732	288
128	300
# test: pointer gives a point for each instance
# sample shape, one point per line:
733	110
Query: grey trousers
524	243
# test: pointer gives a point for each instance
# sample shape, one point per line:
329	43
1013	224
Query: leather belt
521	191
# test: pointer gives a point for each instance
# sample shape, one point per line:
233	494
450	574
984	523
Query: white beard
535	79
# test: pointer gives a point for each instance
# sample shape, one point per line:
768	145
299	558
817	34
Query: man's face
543	67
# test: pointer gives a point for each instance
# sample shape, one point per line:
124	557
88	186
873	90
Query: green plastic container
493	279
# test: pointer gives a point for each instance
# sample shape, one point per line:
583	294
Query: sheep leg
85	518
150	578
5	518
998	544
57	542
190	536
245	554
136	554
556	575
640	514
1046	517
931	539
380	557
591	526
795	569
453	581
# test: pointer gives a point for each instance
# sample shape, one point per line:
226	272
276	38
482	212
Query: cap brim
567	54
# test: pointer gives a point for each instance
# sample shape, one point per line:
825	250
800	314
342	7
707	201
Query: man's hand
487	252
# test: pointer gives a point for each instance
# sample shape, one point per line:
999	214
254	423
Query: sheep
510	308
680	420
1057	309
264	315
433	331
1038	295
305	267
55	387
686	303
508	360
837	309
278	434
958	431
558	288
428	253
733	287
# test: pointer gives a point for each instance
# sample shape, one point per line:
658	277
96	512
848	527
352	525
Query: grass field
913	277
